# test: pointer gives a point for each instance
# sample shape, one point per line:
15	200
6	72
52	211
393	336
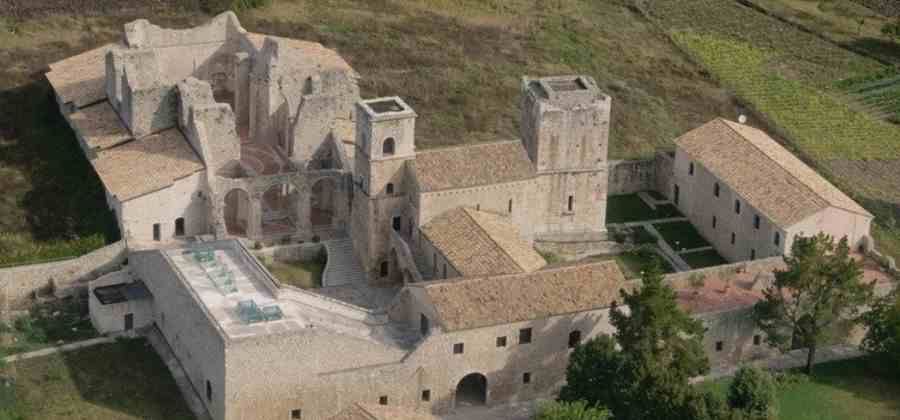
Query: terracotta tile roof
485	301
763	172
81	79
99	125
146	165
471	165
478	243
715	296
361	411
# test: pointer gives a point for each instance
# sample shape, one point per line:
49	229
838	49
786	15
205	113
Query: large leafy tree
883	336
643	372
820	288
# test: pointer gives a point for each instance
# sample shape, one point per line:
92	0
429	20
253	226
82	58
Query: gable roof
361	411
471	165
764	173
99	126
149	164
485	301
478	243
81	79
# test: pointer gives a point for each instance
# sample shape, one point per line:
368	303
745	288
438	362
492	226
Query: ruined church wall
631	176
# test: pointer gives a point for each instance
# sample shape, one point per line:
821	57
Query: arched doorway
278	209
321	205
472	390
237	211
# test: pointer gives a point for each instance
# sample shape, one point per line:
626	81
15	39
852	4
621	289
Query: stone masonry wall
631	176
18	284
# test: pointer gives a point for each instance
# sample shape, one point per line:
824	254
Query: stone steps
342	267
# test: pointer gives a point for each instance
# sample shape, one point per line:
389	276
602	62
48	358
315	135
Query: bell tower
385	141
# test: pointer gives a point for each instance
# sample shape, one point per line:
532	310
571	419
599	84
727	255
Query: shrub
578	410
753	392
882	339
892	29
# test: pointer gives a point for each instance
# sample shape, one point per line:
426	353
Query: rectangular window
525	336
509	208
752	254
501	341
526	378
571	203
208	391
737	206
426	395
756	221
716	189
445	270
715	222
296	414
383	400
676	195
396	223
777	239
719	345
156	232
691	168
574	339
733	237
458	348
757	340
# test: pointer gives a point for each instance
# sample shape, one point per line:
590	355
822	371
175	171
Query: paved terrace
250	281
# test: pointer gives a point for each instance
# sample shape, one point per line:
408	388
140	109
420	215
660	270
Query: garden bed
630	208
681	235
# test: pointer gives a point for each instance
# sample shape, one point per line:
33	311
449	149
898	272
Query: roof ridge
805	185
491	238
467	145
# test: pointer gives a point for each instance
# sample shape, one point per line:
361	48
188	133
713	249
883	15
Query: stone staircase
343	267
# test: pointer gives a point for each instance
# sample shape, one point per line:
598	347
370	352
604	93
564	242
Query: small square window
426	395
757	340
526	378
458	348
719	345
501	341
525	336
296	414
383	400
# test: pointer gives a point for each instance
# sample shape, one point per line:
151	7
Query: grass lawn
633	263
46	325
681	235
703	259
630	208
302	274
123	380
838	391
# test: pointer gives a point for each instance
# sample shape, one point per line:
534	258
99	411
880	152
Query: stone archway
278	205
322	203
472	390
237	212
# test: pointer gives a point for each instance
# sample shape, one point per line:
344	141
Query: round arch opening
472	390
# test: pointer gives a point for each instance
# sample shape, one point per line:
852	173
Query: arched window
387	148
179	226
390	188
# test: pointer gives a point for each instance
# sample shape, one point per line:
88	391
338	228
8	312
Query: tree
820	288
577	410
882	339
753	392
643	373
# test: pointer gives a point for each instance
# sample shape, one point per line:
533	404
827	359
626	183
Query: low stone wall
762	266
18	285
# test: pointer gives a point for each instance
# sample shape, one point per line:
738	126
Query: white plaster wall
164	206
837	223
110	318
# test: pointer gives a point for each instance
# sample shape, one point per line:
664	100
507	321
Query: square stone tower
385	141
565	129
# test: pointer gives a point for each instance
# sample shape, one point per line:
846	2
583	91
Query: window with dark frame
383	269
458	348
571	203
733	237
691	168
296	414
397	223
756	221
677	195
509	207
501	341
389	189
387	148
719	345
574	339
208	391
179	226
716	189
383	400
737	206
715	222
426	395
752	254
757	340
525	336
526	378
777	238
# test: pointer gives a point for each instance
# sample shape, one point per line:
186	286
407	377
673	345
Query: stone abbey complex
225	153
